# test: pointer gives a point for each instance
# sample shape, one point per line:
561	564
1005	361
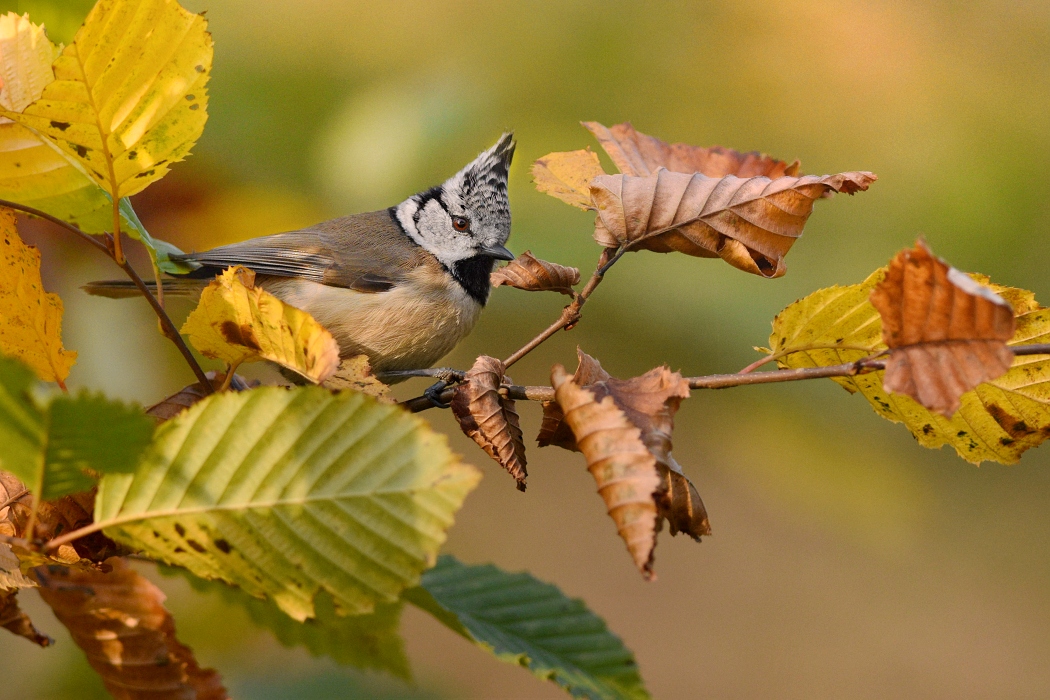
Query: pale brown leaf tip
946	333
568	176
490	419
623	428
17	622
119	620
534	275
355	374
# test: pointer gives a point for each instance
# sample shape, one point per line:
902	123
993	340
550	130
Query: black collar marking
473	275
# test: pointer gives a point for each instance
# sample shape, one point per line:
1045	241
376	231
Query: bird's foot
433	393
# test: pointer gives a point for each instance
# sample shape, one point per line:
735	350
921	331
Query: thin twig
170	331
570	315
784	353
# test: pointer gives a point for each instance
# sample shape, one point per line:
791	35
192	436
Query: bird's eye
460	224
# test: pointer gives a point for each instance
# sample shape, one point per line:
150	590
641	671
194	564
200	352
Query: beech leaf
534	275
946	333
751	223
129	93
635	153
17	622
26	55
287	492
490	419
568	176
355	374
524	621
997	421
649	403
30	318
237	322
118	618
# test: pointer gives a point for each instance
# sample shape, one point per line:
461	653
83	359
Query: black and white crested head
465	221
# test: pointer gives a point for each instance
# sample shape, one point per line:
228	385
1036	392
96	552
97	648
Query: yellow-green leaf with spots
998	420
129	95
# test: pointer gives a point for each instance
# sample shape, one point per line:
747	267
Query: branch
170	331
724	381
570	315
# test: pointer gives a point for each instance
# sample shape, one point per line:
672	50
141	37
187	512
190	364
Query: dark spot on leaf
132	155
156	534
197	547
1014	427
961	433
195	106
180	550
927	429
61	126
191	98
239	335
18	165
82	151
199	68
146	174
1006	441
180	529
838	340
223	546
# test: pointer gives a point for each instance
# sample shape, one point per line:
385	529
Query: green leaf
369	642
527	622
288	492
55	444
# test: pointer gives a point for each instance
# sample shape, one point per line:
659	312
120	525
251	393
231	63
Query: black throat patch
473	275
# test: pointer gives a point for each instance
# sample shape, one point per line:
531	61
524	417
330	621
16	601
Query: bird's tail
123	289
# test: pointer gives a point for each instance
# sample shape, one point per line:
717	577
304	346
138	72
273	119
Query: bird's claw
433	394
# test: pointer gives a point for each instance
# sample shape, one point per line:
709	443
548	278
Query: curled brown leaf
534	275
648	403
635	153
623	468
17	622
119	620
490	419
751	223
946	332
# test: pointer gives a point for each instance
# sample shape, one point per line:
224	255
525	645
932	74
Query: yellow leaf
26	55
30	318
237	322
997	421
568	176
129	95
355	374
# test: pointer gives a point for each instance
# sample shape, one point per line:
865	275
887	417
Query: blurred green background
847	561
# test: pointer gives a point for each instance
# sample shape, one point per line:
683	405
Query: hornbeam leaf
129	94
530	623
288	492
997	421
57	444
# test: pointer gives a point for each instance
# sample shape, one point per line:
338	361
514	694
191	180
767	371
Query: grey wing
366	252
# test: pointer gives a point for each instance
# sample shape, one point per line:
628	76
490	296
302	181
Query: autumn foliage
325	505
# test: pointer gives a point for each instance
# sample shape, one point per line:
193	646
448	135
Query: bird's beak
498	252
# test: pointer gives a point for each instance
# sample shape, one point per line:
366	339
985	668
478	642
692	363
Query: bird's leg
433	393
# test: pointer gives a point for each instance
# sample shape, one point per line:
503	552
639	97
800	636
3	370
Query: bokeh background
847	562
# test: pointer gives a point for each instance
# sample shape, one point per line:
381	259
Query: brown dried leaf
623	468
751	223
946	332
535	275
119	620
568	176
635	153
17	622
355	374
490	419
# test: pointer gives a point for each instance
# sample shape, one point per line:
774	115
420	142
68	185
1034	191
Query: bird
402	285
